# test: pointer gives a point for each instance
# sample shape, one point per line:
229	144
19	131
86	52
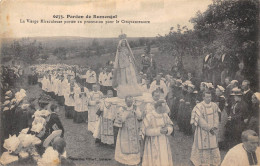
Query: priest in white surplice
246	153
104	127
205	149
127	144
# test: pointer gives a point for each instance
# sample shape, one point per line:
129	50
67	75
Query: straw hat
257	94
236	92
191	85
209	85
6	102
5	109
221	88
233	82
8	93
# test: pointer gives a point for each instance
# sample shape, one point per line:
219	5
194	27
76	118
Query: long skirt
92	118
181	115
69	110
97	131
80	117
222	129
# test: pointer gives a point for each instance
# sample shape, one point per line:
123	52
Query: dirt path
82	149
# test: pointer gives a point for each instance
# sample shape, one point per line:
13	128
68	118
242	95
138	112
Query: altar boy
93	106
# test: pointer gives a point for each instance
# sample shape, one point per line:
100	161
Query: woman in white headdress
125	73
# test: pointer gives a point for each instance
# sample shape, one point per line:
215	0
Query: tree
227	27
26	49
60	52
232	24
45	56
16	47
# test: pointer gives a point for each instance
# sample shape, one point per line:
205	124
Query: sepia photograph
129	82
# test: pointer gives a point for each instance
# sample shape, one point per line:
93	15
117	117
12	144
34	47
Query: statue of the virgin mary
125	71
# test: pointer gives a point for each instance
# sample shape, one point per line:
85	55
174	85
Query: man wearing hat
236	116
247	96
145	63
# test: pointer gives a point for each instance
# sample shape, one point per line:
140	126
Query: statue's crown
122	36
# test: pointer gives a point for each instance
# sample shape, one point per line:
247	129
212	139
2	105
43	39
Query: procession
130	112
131	87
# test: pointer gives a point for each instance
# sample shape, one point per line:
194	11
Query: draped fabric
125	75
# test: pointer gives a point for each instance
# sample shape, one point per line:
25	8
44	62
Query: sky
162	15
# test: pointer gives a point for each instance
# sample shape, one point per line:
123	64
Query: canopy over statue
125	73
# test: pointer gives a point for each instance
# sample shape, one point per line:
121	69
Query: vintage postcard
129	82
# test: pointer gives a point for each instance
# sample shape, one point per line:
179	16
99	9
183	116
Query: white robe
157	150
81	103
92	77
92	110
237	156
44	84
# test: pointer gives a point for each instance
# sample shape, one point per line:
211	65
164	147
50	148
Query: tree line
227	27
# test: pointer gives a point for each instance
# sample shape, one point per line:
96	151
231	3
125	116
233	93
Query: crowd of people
215	114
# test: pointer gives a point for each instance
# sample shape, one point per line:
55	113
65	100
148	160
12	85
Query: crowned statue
125	71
